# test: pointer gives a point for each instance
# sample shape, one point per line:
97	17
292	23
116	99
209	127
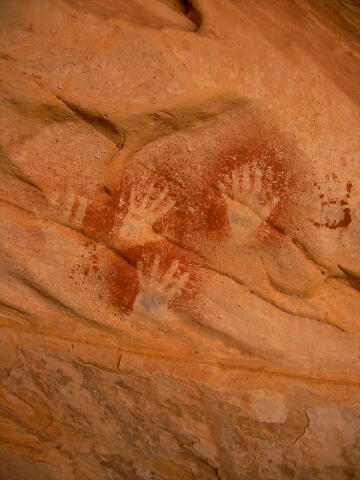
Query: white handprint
249	190
156	290
70	208
249	204
144	213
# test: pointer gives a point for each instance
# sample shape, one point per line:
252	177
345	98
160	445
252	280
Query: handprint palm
249	190
156	290
143	214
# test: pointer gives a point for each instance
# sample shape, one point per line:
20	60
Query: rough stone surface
179	240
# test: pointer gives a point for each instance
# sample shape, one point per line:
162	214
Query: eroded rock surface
179	240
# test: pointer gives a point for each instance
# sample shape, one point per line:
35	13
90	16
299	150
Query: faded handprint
69	208
156	290
334	203
143	213
248	189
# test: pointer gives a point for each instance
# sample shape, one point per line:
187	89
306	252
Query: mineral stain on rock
335	210
179	240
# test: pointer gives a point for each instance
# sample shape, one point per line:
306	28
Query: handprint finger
183	280
222	188
235	185
266	212
163	194
246	180
132	203
269	206
140	274
54	199
146	201
68	204
257	186
168	277
154	273
81	210
178	285
166	206
274	202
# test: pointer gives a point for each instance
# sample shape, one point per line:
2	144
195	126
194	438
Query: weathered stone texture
179	240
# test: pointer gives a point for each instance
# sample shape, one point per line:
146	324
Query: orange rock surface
179	240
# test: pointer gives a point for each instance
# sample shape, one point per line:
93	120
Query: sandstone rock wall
179	240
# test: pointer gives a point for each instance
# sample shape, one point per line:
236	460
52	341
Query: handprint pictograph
248	188
157	289
144	212
69	208
335	210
